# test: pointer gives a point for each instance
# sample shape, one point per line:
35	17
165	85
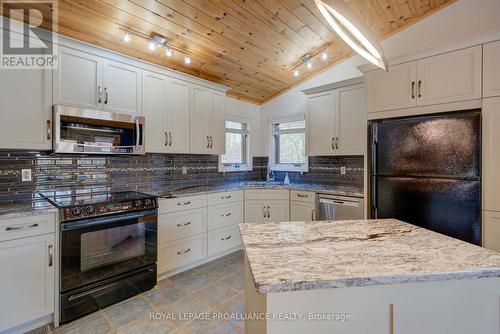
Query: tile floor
215	287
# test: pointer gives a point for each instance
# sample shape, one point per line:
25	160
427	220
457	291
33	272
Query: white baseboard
34	324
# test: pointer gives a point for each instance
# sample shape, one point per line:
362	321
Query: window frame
233	167
274	166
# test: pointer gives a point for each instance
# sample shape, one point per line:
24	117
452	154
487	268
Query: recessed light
187	60
309	64
296	73
127	37
324	55
152	45
169	52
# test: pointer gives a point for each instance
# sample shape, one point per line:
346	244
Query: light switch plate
343	171
184	170
26	175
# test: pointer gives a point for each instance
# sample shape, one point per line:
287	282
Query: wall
461	20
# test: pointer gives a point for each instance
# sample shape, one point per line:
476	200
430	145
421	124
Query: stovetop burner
84	205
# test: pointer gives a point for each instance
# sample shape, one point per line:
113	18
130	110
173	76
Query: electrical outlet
343	171
26	175
184	170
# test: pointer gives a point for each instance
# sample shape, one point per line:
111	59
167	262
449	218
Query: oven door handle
105	220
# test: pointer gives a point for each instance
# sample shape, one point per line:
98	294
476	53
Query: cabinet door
154	107
178	117
218	145
255	211
26	280
393	89
78	81
200	120
122	88
491	69
301	211
491	230
322	118
279	211
25	104
451	77
491	154
351	122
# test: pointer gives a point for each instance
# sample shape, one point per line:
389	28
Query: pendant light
353	30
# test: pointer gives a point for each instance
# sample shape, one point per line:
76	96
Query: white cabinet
178	225
450	77
336	121
177	119
394	89
491	230
490	154
263	211
222	239
207	121
88	81
182	252
302	205
491	69
26	279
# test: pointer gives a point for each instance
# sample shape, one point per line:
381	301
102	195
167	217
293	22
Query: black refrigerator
427	171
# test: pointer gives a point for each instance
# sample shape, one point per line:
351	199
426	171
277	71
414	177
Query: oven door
97	132
96	249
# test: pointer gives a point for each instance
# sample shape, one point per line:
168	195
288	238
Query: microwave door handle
138	133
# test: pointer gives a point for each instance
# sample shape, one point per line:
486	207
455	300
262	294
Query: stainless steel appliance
332	207
427	171
108	249
97	132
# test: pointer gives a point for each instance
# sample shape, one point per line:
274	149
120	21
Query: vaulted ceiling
248	45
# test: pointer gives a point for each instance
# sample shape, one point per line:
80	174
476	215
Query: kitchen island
367	276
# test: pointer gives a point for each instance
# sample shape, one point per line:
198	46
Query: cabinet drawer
15	228
222	239
182	224
225	197
181	203
225	215
262	194
302	196
181	252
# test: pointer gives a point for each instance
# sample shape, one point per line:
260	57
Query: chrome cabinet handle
18	228
184	225
166	138
211	142
333	139
226	215
419	88
268	211
225	197
49	132
264	211
170	136
51	256
312	215
226	238
337	143
106	95
208	142
184	251
185	203
302	195
99	94
413	89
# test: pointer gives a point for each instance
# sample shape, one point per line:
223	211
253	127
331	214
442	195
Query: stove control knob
147	202
138	203
76	212
90	210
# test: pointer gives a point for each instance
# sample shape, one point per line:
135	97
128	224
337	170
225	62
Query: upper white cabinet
207	121
88	81
178	117
491	158
450	77
491	69
336	121
394	89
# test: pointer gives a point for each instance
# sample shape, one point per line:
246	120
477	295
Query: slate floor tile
128	311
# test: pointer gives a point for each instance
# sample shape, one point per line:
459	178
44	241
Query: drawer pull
185	203
226	238
51	256
184	225
226	197
184	251
302	195
17	228
226	215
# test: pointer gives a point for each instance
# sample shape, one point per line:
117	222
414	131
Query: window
237	156
289	144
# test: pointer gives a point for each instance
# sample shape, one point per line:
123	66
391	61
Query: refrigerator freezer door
433	146
447	206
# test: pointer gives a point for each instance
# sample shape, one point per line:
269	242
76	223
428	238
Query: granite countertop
23	208
317	255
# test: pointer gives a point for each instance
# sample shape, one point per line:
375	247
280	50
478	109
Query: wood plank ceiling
248	45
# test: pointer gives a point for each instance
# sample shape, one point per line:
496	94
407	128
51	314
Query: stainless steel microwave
88	131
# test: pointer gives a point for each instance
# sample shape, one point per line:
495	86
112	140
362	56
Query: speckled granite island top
318	255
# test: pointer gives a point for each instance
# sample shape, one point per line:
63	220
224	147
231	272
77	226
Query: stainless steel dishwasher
331	207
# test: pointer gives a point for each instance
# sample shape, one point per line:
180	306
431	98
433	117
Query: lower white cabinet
491	230
181	252
26	280
178	225
222	239
225	215
302	211
263	211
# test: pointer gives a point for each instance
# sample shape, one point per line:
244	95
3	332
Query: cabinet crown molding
335	85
